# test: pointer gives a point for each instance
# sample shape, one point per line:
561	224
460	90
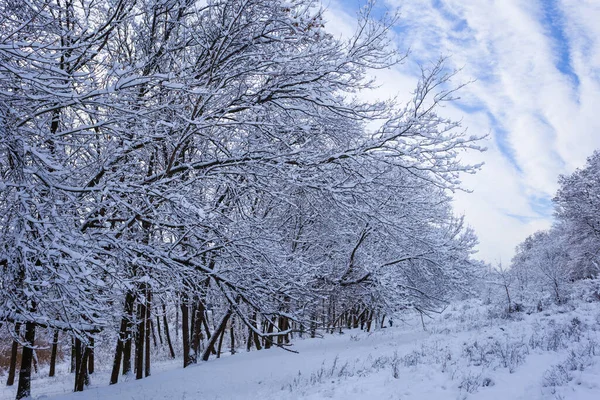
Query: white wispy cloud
536	66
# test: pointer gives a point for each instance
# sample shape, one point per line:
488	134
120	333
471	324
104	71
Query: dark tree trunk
167	334
197	328
14	351
91	357
216	335
153	330
78	356
127	350
114	377
355	318
126	334
148	320
123	350
369	321
53	354
185	329
232	335
269	339
139	340
82	377
207	329
177	323
24	387
221	336
255	334
158	331
280	327
249	340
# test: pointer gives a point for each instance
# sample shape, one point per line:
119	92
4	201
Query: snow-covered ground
467	352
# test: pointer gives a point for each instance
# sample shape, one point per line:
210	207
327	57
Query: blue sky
536	91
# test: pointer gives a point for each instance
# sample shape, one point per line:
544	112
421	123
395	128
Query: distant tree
577	204
542	265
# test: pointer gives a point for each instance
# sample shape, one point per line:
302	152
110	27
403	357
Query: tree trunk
123	350
82	377
221	336
53	354
24	387
167	334
78	357
216	334
90	367
280	327
153	330
13	357
207	329
185	329
232	335
148	320
249	340
160	339
73	351
128	338
139	340
255	334
369	321
197	336
269	339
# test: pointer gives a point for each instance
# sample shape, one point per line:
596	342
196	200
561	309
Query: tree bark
207	329
78	357
255	334
197	336
158	331
167	334
216	335
53	354
140	339
121	352
232	335
24	387
221	336
90	367
148	320
269	339
128	334
14	352
82	377
185	329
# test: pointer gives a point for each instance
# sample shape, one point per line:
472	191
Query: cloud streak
536	66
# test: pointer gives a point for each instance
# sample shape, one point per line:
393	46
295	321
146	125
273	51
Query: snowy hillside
467	352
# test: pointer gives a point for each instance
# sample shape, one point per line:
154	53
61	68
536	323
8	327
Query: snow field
468	352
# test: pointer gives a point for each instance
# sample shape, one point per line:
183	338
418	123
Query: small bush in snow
557	375
470	383
412	359
511	354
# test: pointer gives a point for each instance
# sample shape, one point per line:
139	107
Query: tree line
548	261
166	160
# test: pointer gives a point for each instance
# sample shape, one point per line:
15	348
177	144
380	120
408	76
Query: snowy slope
466	353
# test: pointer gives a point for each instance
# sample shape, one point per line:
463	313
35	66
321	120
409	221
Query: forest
179	174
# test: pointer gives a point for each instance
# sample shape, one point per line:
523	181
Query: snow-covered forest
180	179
